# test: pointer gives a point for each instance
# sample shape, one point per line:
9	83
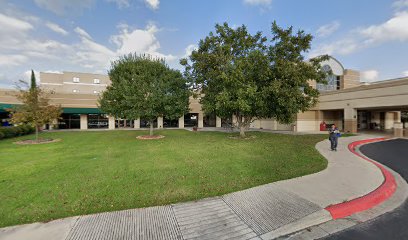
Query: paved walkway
263	212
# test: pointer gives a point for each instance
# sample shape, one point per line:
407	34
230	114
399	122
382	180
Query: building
344	101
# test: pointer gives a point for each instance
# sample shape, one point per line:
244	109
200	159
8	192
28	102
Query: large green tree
143	87
35	108
253	77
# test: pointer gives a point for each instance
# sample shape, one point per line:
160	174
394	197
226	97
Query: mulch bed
40	141
148	137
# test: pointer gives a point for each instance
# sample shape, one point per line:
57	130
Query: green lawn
91	172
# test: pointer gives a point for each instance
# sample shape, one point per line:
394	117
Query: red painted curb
379	195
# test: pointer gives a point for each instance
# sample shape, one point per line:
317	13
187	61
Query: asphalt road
392	225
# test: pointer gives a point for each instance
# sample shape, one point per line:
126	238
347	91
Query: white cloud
139	41
400	4
12	59
394	29
258	2
10	24
63	7
56	28
24	49
189	49
340	47
405	73
121	3
369	76
153	4
53	71
91	54
328	29
26	76
82	32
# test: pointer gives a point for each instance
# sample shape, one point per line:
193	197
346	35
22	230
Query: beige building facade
344	101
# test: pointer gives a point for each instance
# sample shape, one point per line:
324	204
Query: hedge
15	131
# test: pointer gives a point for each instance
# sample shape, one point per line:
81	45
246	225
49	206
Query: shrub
15	131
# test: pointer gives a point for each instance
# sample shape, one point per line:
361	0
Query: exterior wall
268	124
63	82
385	94
283	127
255	124
8	96
195	106
333	117
307	121
350	79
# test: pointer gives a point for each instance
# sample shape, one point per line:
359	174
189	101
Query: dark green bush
15	131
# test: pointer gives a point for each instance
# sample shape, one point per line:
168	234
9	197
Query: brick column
200	120
181	122
398	130
136	123
218	122
350	120
160	122
53	124
111	123
83	121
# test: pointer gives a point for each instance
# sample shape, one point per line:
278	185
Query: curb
379	195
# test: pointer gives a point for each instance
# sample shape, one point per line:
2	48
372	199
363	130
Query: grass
90	172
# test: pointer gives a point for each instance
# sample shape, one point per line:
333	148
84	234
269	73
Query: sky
370	36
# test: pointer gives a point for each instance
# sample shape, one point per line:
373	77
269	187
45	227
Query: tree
35	108
143	87
246	76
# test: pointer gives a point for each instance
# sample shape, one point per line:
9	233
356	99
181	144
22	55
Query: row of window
95	81
77	91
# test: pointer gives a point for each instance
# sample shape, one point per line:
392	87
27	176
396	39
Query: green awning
82	110
4	106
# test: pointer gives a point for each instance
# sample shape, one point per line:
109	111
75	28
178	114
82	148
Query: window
97	81
75	79
333	81
75	91
96	92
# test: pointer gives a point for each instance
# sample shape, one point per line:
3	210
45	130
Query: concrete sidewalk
263	212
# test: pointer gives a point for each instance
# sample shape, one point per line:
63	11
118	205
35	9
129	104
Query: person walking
333	137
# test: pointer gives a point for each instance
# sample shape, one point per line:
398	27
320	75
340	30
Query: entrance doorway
144	123
191	120
170	123
69	121
210	120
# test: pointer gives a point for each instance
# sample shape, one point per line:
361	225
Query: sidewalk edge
370	200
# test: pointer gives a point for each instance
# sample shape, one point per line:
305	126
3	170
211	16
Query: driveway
392	225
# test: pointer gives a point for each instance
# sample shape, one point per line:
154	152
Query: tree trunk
36	133
151	128
242	131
